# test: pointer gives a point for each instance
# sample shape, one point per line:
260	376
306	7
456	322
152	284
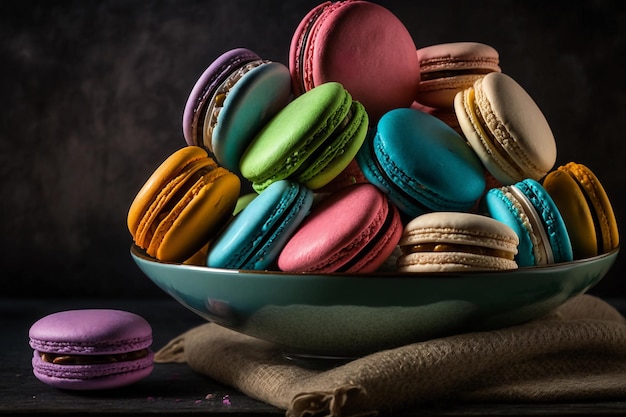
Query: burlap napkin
576	353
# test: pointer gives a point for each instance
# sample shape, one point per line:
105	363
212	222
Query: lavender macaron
91	349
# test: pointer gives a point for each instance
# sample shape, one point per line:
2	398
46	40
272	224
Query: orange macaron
585	207
182	205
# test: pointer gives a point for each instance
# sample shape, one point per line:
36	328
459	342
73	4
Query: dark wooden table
174	389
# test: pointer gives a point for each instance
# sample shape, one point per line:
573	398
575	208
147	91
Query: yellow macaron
585	207
182	205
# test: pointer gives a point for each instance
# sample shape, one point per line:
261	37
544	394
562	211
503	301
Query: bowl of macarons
338	213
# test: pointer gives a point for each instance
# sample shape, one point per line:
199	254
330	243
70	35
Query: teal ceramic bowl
347	315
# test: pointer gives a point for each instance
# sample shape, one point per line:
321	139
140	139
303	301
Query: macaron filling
65	359
457	247
215	104
344	142
215	190
451	73
542	250
195	108
375	242
316	154
167	199
304	48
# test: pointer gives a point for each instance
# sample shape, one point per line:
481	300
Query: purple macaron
91	349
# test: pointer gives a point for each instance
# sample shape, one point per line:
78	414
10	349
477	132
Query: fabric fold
578	352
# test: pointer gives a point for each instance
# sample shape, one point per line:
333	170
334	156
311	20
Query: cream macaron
456	241
506	129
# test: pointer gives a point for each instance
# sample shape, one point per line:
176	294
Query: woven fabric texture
576	353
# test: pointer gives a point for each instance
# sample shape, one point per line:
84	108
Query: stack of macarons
362	147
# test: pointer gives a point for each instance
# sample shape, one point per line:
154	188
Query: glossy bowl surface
348	315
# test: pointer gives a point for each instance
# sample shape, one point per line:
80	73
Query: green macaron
310	141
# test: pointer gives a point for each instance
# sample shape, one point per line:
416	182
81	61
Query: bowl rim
137	252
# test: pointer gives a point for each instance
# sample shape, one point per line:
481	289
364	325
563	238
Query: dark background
92	94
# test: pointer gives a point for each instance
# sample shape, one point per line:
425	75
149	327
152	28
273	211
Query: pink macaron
361	45
353	230
91	349
447	68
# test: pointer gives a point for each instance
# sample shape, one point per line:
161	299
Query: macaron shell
198	258
253	239
452	262
460	228
91	332
601	203
463	230
551	216
293	135
363	46
458	56
520	129
185	201
575	211
168	169
288	222
421	162
337	230
338	153
92	377
382	246
213	76
446	115
460	63
243	201
253	101
502	206
171	188
441	93
586	208
197	217
299	67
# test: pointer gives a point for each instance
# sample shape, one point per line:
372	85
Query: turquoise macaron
257	234
531	212
310	141
421	163
232	100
